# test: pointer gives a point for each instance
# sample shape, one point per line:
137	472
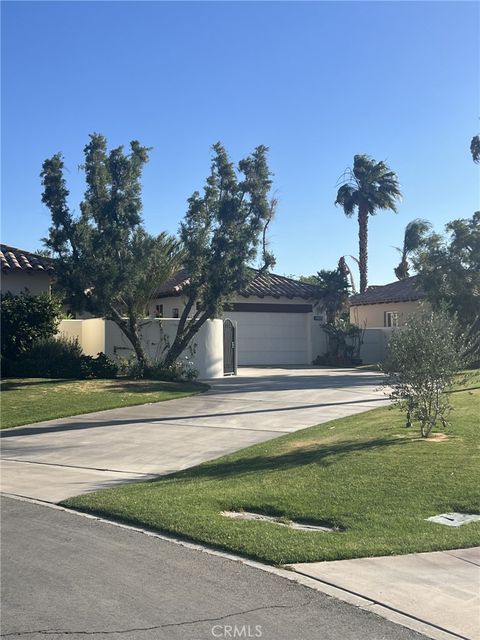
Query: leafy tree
368	187
220	234
449	272
107	263
475	148
422	360
25	320
414	236
306	279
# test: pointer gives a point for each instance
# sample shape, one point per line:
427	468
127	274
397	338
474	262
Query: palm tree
414	236
368	187
332	290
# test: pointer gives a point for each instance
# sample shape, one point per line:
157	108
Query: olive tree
421	363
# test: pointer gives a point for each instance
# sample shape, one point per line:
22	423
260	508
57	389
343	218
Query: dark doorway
229	347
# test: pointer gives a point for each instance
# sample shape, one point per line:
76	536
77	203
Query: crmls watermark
237	631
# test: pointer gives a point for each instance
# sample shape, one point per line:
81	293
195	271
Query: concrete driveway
61	458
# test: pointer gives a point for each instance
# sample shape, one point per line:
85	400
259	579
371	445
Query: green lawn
366	474
35	399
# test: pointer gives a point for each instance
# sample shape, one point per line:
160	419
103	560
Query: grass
35	399
366	474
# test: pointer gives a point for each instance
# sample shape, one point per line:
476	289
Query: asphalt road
64	575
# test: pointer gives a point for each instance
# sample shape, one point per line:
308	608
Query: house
24	272
277	319
387	305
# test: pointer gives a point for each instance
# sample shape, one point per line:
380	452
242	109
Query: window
391	319
175	313
159	311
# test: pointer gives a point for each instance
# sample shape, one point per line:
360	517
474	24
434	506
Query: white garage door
271	338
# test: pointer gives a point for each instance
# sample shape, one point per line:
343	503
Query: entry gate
229	348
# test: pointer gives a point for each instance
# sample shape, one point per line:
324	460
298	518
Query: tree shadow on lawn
324	454
19	384
116	386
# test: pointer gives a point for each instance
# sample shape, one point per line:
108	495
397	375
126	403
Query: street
64	575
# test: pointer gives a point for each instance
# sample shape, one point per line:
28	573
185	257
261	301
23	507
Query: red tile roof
399	291
13	260
263	284
273	285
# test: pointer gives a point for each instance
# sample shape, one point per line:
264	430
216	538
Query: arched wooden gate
229	348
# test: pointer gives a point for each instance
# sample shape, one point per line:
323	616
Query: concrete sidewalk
435	593
57	459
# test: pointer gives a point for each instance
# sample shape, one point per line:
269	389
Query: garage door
271	338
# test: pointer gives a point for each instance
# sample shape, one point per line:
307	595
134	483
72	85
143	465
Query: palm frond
346	198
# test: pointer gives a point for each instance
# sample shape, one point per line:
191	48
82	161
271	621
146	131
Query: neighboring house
277	319
24	272
386	305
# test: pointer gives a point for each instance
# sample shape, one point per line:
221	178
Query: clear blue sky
316	82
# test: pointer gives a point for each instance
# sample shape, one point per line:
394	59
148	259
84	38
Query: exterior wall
89	333
372	316
21	282
374	347
178	302
267	337
205	351
318	339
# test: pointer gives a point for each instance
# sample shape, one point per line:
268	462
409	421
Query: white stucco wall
89	333
97	335
374	347
22	282
318	338
205	350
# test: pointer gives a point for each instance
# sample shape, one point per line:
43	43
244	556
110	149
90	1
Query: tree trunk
363	246
135	339
183	338
130	329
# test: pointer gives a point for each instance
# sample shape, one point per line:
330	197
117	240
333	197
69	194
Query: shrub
102	366
60	358
331	360
421	363
182	369
344	343
26	319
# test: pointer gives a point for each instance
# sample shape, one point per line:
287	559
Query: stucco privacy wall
205	351
89	333
374	347
372	316
20	282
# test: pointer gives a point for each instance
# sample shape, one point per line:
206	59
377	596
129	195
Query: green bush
182	369
59	358
26	319
421	363
102	366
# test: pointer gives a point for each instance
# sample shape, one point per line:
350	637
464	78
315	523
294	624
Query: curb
330	589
